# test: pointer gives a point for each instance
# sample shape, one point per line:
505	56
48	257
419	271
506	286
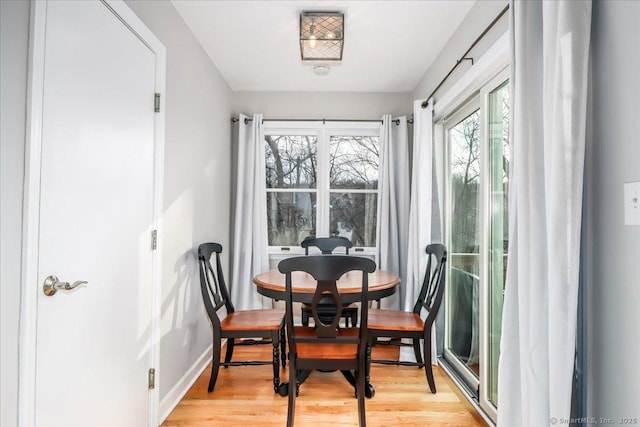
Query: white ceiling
389	45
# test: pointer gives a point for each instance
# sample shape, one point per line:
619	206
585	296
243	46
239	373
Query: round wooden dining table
381	284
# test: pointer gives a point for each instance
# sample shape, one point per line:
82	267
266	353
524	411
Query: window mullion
322	211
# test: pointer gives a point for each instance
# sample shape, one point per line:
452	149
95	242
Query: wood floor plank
244	397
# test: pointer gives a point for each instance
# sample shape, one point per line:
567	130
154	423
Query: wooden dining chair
326	345
402	324
327	245
237	324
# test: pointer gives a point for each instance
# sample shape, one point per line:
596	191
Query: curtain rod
464	55
247	120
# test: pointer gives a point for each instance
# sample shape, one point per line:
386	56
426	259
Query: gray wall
14	36
478	18
196	185
613	276
323	105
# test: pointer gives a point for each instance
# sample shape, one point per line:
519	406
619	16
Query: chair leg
427	363
367	365
229	354
416	351
215	363
276	360
305	318
293	387
360	391
283	347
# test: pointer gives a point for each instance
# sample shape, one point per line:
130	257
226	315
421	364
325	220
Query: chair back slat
431	293
214	291
327	292
326	244
212	284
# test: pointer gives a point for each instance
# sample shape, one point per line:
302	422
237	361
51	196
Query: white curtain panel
393	207
550	51
420	214
250	255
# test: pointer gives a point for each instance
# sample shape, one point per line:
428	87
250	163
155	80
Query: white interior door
96	215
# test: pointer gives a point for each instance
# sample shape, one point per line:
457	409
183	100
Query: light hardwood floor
244	397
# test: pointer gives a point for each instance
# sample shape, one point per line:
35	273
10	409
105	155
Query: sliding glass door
463	301
477	180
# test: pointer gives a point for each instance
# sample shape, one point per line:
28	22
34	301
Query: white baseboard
175	395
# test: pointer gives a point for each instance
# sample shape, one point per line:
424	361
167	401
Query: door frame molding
31	205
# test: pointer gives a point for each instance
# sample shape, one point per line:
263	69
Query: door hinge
156	103
154	240
152	379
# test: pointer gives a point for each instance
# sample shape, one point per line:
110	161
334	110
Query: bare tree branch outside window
291	164
353	165
292	167
465	182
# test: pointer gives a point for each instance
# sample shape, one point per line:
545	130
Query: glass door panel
464	242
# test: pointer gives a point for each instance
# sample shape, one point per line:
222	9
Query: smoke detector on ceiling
321	70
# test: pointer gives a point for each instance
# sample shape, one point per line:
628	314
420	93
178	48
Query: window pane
465	181
354	216
353	162
499	160
291	161
291	217
465	240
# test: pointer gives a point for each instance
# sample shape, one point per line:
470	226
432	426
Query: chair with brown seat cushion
327	346
237	324
327	245
402	324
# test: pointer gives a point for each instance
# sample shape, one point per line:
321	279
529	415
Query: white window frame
323	131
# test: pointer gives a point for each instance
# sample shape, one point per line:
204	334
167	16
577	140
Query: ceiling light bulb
312	37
